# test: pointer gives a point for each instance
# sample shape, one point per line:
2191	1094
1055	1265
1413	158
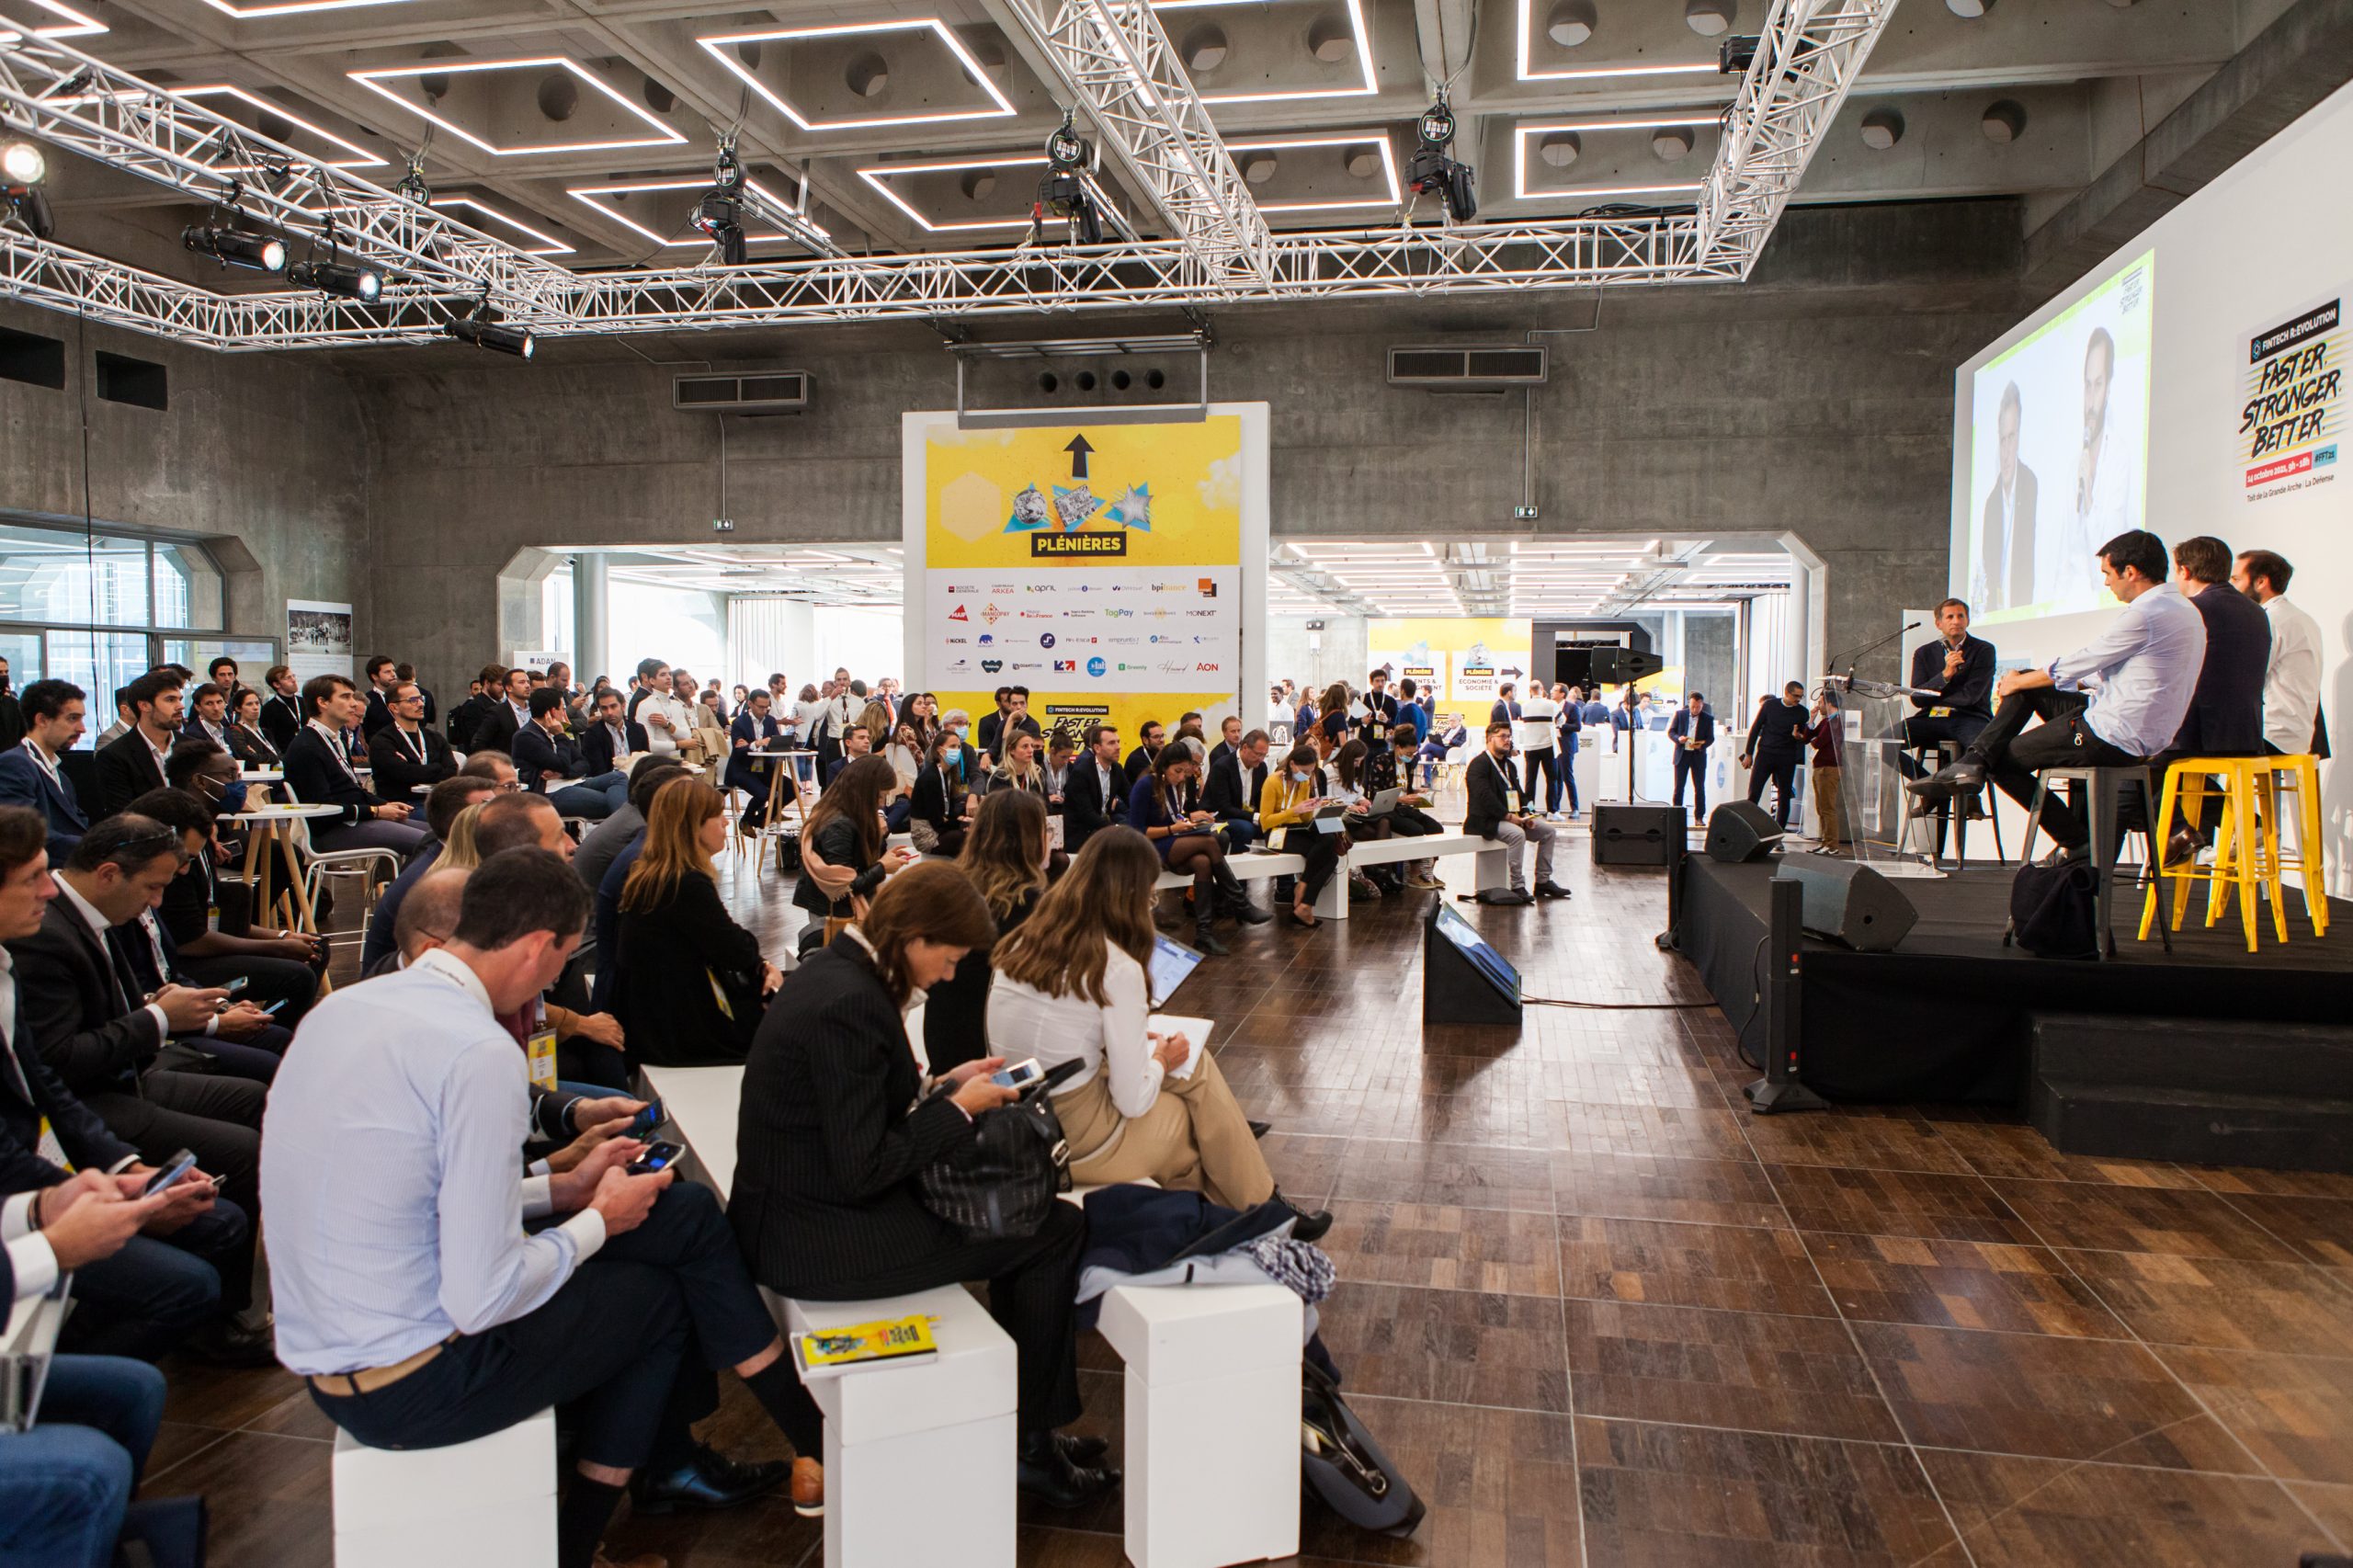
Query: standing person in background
1692	731
1537	733
1506	710
1827	735
1567	725
466	721
807	711
380	678
1380	709
1411	711
1775	746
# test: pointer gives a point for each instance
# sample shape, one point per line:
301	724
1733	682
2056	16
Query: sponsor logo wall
1100	567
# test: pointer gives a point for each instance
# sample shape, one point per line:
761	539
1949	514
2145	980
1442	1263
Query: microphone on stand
1849	659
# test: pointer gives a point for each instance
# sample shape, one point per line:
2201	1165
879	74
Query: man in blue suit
29	775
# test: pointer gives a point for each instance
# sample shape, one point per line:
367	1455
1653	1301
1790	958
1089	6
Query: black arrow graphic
1078	449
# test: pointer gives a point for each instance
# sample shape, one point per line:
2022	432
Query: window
139	382
102	610
31	359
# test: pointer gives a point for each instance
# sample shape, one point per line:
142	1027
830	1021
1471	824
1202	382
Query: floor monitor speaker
1848	902
1740	830
1634	835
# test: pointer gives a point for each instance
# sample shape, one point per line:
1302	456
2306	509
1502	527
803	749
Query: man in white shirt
410	1292
2140	674
1537	733
2291	725
667	720
2107	481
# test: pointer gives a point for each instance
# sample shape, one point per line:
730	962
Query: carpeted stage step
2203	1091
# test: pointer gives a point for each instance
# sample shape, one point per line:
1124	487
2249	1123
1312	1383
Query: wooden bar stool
2244	853
2300	776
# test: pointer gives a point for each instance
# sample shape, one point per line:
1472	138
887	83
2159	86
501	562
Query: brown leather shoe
808	1489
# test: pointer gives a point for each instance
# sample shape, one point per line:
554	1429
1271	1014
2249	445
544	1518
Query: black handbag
1002	1185
2054	910
1341	1465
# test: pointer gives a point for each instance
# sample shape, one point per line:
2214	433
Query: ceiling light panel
281	123
656	210
825	78
1268	58
1645	37
45	18
501	224
1314	174
961	195
268	8
500	106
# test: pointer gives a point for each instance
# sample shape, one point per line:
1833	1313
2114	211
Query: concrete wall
263	454
1815	399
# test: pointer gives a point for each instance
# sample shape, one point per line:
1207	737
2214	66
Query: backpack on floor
1342	1467
2054	910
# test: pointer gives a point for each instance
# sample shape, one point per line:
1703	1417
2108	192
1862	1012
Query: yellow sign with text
1099	566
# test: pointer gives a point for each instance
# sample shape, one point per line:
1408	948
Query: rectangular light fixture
876	175
374	80
483	212
1377	139
589	193
289	7
716	46
1363	47
62	21
354	155
1526	33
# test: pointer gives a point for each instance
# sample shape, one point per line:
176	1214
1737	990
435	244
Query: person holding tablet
1071	986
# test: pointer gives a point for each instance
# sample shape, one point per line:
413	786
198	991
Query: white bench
702	1103
1213	1421
487	1504
1489	868
919	1461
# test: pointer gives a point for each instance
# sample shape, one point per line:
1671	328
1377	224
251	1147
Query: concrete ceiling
918	124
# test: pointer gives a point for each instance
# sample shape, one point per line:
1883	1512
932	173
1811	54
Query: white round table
261	845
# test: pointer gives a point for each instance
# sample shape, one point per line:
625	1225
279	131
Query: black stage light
483	331
1736	54
719	212
236	247
1434	168
364	283
1061	191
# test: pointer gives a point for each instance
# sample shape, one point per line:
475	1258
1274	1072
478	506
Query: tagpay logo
1116	613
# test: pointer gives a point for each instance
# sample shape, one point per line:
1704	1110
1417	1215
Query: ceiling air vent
757	392
1466	370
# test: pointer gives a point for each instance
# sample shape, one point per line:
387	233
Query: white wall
2268	238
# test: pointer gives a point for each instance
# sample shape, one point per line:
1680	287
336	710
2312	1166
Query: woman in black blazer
1005	859
842	853
246	743
835	1122
690	984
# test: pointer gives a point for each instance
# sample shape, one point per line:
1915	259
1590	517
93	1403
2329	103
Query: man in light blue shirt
410	1292
2115	702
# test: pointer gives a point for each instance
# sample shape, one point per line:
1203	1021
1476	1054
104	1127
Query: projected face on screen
2058	453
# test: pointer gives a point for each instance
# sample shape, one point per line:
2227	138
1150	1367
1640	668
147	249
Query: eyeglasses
512	784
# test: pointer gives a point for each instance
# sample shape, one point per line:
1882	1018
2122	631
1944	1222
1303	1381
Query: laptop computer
1385	802
1172	964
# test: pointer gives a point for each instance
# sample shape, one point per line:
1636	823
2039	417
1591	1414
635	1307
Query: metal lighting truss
54	91
1810	53
1807	58
1115	57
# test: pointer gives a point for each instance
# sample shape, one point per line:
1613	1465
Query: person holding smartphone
1287	807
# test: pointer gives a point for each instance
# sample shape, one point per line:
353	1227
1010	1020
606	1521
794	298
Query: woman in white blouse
1071	987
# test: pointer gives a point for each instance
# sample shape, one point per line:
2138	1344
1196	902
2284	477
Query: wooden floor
1602	1315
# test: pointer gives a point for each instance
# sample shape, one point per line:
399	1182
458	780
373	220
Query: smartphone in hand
657	1157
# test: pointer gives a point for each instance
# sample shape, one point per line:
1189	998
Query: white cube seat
1213	1421
487	1504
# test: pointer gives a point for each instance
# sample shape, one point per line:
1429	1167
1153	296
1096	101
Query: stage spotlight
1736	53
483	331
1433	167
719	212
236	247
23	163
31	208
1063	190
364	283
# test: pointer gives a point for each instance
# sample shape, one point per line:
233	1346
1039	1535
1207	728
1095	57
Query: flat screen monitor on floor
1171	964
1490	963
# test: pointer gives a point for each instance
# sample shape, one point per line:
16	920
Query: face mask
232	795
1297	777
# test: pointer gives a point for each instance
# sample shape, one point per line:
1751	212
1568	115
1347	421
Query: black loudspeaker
1849	903
1635	836
1738	831
1619	667
1572	666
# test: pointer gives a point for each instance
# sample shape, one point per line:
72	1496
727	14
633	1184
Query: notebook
1197	1035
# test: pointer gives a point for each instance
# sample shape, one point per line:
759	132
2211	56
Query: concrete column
591	624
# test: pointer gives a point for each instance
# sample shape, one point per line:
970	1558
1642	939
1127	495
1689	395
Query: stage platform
1944	1019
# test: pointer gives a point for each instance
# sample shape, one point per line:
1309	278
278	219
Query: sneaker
809	1488
1422	882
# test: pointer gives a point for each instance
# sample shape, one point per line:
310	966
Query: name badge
1939	713
51	1148
541	1051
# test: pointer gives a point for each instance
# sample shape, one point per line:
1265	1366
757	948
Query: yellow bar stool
2298	776
2241	859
